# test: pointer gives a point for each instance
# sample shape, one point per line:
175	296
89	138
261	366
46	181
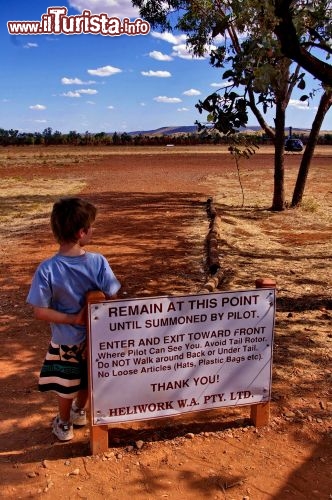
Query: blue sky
106	83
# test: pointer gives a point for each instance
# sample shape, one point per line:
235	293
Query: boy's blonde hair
69	215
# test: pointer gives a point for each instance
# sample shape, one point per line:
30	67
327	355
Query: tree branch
291	47
267	129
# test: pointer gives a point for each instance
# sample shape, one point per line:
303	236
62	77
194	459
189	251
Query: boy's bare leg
81	398
64	405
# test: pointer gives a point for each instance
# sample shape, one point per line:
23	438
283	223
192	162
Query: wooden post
260	413
98	439
99	433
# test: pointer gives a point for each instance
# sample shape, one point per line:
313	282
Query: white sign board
162	356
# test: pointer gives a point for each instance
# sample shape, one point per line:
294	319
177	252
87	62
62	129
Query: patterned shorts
64	370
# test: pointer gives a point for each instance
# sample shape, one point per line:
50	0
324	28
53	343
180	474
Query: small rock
45	464
190	435
139	444
74	472
32	474
119	456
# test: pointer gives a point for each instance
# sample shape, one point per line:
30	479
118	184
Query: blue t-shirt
61	283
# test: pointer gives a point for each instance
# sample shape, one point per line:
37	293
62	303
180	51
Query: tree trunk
278	203
324	106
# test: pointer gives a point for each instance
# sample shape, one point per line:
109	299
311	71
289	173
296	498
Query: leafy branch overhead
265	49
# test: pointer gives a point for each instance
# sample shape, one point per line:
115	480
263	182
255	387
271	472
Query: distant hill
191	129
185	129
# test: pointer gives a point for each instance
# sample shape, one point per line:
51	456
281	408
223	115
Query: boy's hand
53	316
80	317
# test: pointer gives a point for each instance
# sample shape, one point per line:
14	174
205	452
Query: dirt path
152	225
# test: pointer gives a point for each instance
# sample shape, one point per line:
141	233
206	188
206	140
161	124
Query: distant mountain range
191	129
185	129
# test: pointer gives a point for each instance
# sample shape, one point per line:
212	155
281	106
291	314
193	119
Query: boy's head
69	216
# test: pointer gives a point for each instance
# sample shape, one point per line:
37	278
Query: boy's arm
53	316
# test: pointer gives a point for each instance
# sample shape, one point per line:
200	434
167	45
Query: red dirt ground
152	225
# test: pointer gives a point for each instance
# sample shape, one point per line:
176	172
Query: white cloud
303	105
158	74
159	56
184	51
104	71
71	81
110	107
30	45
71	94
163	98
90	102
79	92
221	85
181	51
180	48
191	92
182	109
75	81
38	107
115	8
40	121
169	37
87	91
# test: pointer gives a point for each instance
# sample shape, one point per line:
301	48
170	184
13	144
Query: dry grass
293	246
24	203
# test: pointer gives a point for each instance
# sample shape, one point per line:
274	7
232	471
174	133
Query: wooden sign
163	356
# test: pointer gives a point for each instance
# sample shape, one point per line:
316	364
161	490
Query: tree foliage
302	27
260	72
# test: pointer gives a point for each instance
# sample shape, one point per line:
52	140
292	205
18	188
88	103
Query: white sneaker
78	416
62	430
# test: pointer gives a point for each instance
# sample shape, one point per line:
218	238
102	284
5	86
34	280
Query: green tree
47	134
258	62
73	137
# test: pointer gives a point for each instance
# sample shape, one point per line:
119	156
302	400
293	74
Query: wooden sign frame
99	434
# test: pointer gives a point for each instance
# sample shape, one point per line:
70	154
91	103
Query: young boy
57	295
